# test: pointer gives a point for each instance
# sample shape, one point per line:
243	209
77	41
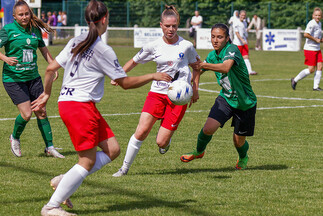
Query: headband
97	20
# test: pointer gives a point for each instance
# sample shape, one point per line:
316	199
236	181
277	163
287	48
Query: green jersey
22	44
236	88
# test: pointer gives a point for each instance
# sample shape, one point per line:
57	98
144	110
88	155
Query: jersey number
74	68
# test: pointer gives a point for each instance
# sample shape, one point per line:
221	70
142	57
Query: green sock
243	149
19	127
46	131
202	141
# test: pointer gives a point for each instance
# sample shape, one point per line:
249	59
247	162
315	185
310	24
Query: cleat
121	172
253	73
54	183
317	89
191	156
51	151
57	211
293	84
242	163
164	150
15	146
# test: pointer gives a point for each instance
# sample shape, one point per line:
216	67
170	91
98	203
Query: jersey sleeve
309	28
145	54
110	65
192	54
233	53
3	37
64	55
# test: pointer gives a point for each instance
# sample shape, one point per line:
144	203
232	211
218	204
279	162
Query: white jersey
170	58
197	19
84	77
241	28
315	30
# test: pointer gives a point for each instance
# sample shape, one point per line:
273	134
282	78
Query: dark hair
94	13
34	20
224	28
170	10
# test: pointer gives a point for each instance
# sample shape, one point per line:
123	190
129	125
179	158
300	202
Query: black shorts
242	121
20	92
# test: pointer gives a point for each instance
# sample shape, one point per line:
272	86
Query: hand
195	97
56	76
112	82
162	76
11	61
244	42
40	102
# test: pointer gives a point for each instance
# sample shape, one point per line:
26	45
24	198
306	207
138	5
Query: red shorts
162	108
244	50
312	57
84	123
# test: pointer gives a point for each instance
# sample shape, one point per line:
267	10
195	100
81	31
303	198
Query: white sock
132	151
304	73
248	64
68	185
101	160
317	79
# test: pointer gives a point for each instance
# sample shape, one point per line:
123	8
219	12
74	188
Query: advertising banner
143	36
281	40
203	38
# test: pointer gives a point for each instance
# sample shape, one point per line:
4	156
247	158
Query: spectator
50	23
54	22
196	23
233	19
64	23
256	22
59	24
43	17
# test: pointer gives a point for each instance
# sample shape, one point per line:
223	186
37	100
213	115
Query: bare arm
48	57
317	40
221	67
196	81
9	60
41	101
135	82
129	65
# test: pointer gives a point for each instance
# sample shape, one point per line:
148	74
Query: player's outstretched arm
135	82
48	57
41	101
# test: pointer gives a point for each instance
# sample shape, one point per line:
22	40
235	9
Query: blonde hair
170	10
34	22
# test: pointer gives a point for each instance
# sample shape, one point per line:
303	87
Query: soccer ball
180	92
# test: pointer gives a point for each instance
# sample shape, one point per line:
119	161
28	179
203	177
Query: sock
243	150
202	141
68	185
132	150
304	73
19	127
248	64
101	160
46	131
317	79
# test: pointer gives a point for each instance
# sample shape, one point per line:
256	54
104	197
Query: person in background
196	23
241	39
256	22
59	24
233	19
20	75
64	23
236	99
312	51
50	22
43	17
54	23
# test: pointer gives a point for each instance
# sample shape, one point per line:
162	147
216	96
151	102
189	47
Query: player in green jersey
236	98
20	75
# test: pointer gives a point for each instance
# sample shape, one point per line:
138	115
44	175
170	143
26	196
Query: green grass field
284	175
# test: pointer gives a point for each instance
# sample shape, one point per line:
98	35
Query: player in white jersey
312	51
172	55
86	60
241	39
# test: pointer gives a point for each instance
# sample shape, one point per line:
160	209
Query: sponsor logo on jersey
116	63
33	35
16	35
28	41
170	63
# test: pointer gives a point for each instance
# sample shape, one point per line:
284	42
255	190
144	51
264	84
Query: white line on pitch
189	111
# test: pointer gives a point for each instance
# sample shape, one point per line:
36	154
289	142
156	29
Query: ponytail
94	13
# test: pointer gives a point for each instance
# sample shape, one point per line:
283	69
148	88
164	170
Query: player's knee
208	131
115	152
26	115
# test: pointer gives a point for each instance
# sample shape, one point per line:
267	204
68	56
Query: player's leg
310	62
219	114
145	125
72	179
245	56
318	73
242	147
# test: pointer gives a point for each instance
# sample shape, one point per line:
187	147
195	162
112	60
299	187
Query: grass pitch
284	175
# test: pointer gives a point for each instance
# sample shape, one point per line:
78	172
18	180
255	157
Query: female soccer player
241	39
86	60
312	51
173	55
236	98
20	72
